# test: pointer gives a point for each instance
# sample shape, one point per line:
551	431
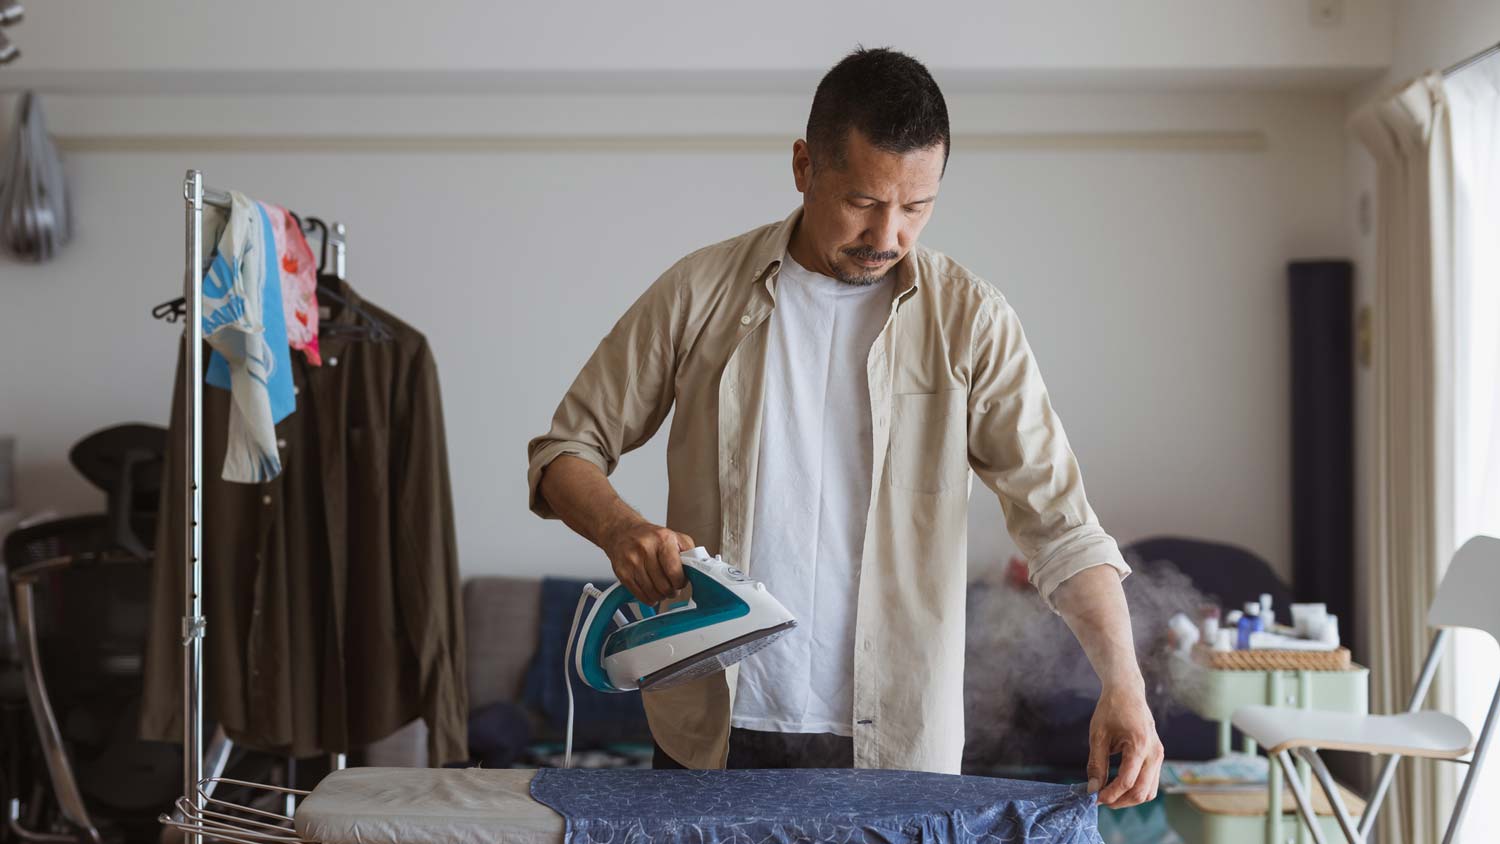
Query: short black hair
888	96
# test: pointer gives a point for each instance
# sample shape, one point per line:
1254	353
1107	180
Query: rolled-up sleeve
1018	449
622	394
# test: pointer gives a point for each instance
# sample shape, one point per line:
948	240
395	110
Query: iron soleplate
714	660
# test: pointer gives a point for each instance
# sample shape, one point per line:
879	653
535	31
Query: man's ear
802	166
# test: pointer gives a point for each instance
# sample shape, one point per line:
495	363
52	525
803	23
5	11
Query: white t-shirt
812	497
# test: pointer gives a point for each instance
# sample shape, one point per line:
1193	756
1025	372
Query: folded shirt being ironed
244	322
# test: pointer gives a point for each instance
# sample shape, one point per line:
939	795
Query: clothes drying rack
199	813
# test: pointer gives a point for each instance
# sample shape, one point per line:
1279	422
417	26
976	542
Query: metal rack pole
339	250
194	625
339	761
192	621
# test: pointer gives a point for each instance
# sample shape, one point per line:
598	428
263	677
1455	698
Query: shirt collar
768	258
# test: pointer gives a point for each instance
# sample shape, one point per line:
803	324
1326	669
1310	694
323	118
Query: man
835	384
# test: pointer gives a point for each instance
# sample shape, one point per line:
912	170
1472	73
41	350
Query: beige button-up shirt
953	390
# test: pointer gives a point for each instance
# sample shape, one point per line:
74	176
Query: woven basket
1270	660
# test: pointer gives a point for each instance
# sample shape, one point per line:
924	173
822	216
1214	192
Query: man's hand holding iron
646	558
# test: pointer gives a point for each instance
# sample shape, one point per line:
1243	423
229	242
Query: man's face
859	220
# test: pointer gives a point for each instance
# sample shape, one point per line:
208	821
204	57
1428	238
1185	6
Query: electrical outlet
1326	12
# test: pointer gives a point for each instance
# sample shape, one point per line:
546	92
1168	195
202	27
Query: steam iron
627	645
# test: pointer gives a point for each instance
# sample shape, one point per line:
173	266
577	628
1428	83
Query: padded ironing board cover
426	806
847	806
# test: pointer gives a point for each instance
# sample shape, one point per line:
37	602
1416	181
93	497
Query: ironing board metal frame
206	816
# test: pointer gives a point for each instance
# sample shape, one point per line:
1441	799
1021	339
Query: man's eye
863	206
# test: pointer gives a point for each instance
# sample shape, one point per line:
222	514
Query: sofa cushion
500	623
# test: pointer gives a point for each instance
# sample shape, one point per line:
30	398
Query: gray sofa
500	624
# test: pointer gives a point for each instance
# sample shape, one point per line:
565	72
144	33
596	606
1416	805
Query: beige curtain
1410	505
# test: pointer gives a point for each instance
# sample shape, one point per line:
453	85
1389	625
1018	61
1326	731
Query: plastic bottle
1249	623
1329	635
1209	622
1184	632
1267	615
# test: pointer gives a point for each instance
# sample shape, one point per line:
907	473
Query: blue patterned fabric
806	805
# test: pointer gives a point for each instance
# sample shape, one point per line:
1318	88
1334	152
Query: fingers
669	565
634	587
646	560
1144	790
1133	759
1098	769
684	543
1152	773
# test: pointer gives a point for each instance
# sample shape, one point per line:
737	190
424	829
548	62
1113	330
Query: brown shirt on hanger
332	593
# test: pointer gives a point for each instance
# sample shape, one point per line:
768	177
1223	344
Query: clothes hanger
328	283
370	328
173	310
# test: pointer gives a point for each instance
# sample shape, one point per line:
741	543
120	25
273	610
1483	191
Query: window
1474	102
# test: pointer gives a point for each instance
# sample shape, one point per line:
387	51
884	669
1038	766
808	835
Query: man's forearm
1092	602
585	500
644	556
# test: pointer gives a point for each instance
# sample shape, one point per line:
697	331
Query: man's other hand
647	559
1123	724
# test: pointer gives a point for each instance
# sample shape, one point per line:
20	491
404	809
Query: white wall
1151	281
73	43
514	174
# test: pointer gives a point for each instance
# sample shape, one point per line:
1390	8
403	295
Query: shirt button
333	361
868	645
281	443
745	320
265	499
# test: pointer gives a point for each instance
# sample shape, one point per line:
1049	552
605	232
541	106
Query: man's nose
884	233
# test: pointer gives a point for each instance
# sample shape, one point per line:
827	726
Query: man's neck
801	251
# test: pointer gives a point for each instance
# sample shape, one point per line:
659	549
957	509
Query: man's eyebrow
858	195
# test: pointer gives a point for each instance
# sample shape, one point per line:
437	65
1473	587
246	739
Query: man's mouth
870	260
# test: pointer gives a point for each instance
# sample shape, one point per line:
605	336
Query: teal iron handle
712	603
613	600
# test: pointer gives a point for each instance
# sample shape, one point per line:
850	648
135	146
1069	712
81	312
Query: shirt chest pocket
929	450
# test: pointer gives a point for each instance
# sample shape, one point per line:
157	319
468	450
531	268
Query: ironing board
427	806
483	806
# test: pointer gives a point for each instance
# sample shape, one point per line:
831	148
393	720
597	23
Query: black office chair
80	590
81	614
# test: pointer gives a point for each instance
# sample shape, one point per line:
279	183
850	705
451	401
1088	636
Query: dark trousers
756	749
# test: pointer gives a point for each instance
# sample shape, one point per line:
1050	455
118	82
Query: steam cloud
1027	682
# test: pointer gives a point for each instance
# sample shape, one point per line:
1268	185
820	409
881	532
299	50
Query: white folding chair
1468	597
